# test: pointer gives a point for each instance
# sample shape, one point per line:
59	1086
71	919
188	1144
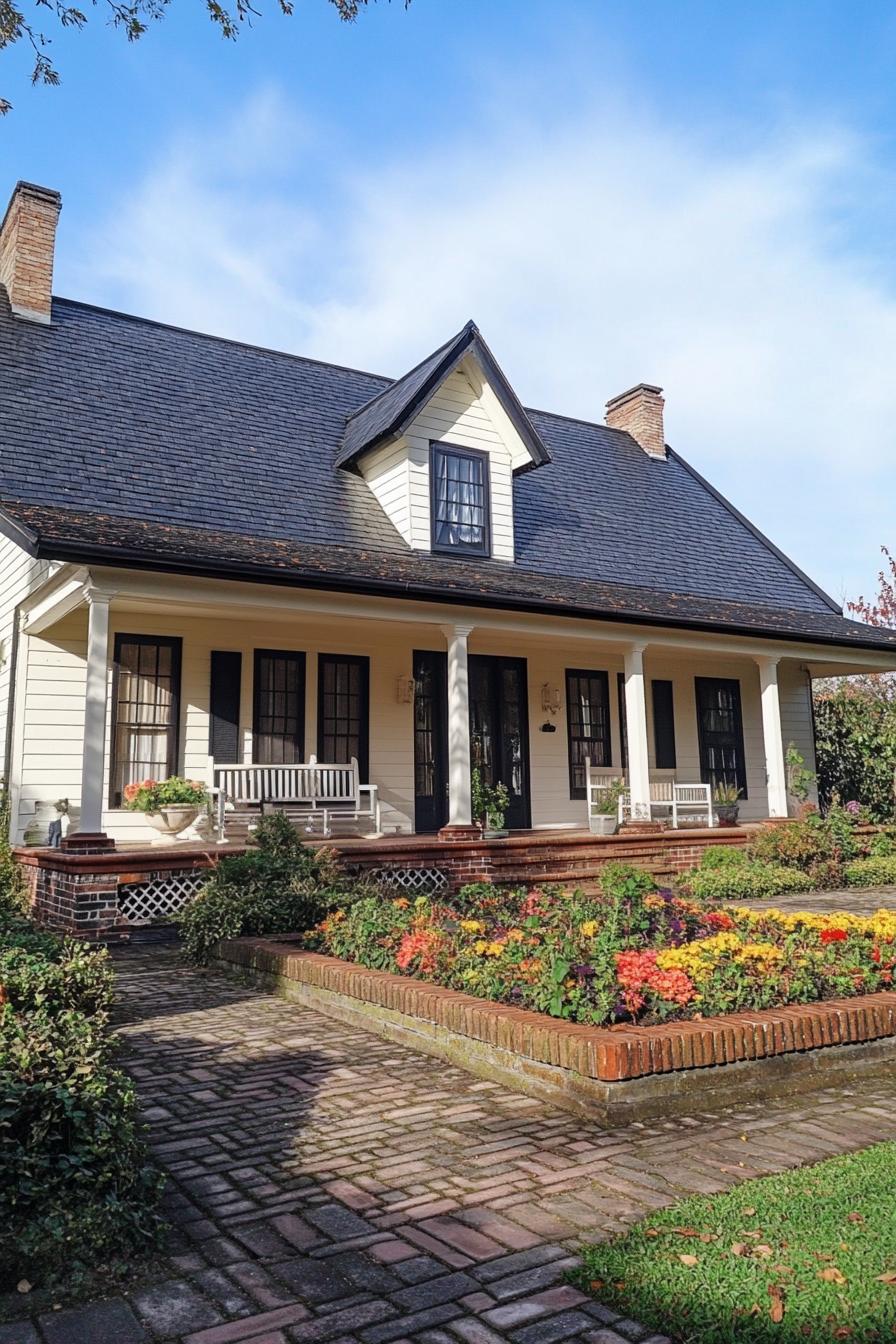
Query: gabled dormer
439	449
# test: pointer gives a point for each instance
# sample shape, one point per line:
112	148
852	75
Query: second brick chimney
639	411
27	244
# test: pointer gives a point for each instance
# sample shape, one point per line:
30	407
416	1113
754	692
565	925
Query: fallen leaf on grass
689	1260
854	1218
748	1213
888	1277
776	1311
685	1231
740	1248
651	1232
763	1251
831	1275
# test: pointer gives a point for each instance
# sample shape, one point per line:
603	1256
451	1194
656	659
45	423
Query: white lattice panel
415	879
159	898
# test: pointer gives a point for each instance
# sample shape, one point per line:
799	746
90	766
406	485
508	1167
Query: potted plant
604	820
725	797
490	802
169	805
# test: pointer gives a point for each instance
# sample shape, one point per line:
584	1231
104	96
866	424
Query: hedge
877	871
76	1188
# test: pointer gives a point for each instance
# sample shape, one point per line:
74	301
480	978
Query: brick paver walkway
329	1186
861	901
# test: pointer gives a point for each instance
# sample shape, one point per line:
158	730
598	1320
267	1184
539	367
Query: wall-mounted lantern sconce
404	690
550	698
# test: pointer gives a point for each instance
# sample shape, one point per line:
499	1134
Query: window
720	726
623	719
278	707
588	724
663	725
343	710
145	710
459	499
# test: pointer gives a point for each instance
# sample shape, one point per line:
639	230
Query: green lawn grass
784	1258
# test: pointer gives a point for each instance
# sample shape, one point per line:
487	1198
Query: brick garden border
616	1073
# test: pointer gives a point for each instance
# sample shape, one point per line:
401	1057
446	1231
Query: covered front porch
121	675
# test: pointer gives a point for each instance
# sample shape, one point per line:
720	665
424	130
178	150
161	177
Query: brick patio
326	1185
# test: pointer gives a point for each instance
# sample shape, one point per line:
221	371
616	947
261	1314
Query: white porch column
775	769
636	733
460	803
95	710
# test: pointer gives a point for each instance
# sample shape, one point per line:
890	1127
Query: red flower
834	935
875	954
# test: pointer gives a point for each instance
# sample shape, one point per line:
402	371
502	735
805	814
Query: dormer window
460	499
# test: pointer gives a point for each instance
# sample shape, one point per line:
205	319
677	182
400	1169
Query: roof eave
126	558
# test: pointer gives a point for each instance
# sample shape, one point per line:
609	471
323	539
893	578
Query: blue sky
694	194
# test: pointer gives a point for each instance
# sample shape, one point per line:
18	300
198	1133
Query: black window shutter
224	706
663	725
623	722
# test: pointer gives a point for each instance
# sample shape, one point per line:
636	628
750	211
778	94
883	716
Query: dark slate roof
105	538
128	441
390	412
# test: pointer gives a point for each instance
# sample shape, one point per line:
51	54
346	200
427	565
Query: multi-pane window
460	500
278	717
720	728
588	724
343	717
145	710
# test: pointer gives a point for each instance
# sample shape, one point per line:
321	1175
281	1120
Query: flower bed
632	954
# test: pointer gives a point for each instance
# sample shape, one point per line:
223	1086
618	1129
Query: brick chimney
27	243
639	411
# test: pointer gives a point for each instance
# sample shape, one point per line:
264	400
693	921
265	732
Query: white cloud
604	250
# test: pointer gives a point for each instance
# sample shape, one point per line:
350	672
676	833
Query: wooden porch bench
667	797
314	792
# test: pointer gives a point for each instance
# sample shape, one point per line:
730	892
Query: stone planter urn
173	818
603	823
726	813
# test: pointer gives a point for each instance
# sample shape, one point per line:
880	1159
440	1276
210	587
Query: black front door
499	730
430	741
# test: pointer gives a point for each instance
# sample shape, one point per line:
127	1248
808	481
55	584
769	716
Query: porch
121	675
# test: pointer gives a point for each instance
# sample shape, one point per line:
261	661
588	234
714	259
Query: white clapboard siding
398	474
19	575
795	694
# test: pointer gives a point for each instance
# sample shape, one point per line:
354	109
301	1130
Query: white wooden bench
667	797
313	792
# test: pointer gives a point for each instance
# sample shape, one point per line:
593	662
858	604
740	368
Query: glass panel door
499	730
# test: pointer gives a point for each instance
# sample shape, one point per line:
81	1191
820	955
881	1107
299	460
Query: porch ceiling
148	592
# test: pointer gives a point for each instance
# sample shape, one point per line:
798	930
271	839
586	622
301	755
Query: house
211	549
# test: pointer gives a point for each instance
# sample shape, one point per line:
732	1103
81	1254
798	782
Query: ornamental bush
876	871
75	1184
816	846
280	886
743	881
723	856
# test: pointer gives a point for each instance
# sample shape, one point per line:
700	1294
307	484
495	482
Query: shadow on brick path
328	1185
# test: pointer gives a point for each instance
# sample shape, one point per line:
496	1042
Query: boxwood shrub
76	1188
876	871
743	881
279	886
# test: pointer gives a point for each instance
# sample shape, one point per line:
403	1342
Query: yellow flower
480	946
589	928
494	949
764	954
472	926
515	936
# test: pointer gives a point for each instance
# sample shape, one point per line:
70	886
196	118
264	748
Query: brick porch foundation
82	893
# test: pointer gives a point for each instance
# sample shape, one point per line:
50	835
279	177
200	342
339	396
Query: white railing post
96	698
773	741
460	802
636	733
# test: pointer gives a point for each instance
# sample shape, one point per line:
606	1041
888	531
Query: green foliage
816	846
678	1267
620	881
75	1185
280	886
722	856
151	795
13	896
726	795
743	881
856	747
67	976
799	779
875	871
489	801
